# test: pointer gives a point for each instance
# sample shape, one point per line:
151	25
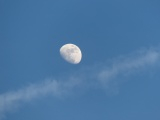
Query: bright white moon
71	53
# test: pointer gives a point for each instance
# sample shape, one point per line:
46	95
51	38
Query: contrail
130	63
10	100
95	76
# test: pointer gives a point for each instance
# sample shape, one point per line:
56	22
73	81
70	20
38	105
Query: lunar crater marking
71	53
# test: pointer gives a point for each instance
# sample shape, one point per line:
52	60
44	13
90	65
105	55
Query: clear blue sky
119	40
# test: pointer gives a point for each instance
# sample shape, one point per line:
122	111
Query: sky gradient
117	79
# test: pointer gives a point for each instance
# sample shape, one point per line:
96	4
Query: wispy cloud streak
127	64
48	87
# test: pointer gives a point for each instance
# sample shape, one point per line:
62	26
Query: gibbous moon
71	53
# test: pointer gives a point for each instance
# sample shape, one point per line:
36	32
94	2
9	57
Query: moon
71	53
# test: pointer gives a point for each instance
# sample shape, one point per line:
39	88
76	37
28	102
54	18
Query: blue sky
117	79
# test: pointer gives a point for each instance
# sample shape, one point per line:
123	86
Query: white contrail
139	60
103	76
56	88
